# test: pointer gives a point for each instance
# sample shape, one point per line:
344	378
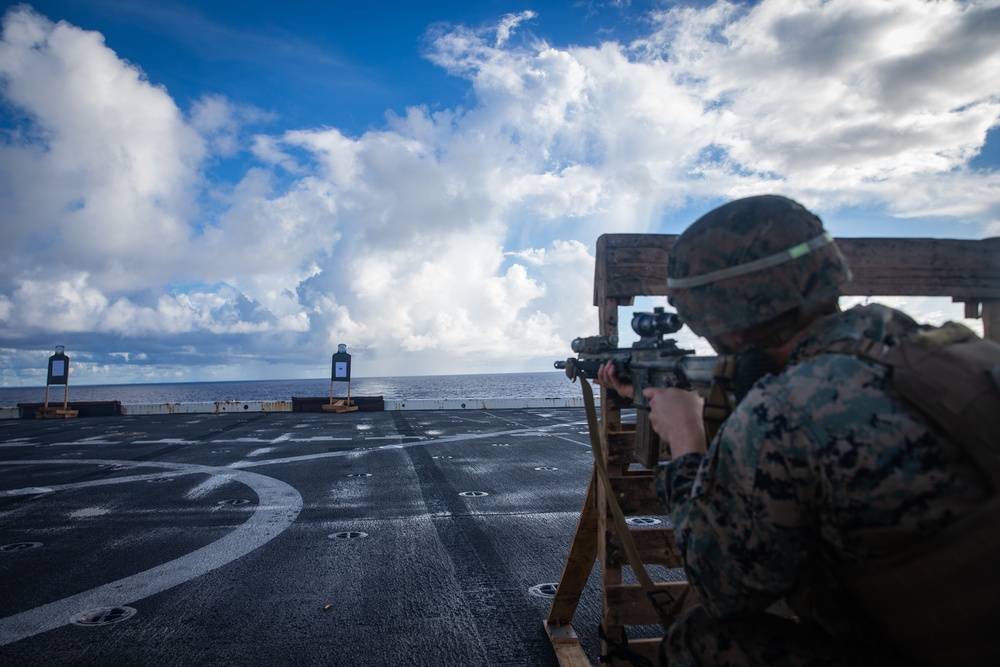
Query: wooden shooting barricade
631	265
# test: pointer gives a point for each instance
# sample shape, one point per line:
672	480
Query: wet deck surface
290	539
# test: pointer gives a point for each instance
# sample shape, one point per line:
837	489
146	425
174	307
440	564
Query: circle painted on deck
17	547
104	616
641	521
473	494
544	590
348	535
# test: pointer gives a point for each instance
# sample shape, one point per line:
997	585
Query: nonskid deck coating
223	533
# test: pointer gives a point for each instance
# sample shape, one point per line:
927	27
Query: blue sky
198	191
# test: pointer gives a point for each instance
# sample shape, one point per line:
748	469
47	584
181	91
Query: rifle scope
656	324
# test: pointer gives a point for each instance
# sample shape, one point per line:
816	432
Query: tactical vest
938	603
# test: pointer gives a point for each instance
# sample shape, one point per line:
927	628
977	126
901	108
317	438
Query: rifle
653	361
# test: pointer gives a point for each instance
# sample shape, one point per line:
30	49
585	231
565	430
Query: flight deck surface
362	538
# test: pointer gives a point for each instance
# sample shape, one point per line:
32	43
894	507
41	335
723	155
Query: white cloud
102	170
222	122
509	23
849	101
461	239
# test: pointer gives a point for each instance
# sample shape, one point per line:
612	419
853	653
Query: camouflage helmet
750	261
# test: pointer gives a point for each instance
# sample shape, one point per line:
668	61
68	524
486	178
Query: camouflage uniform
809	459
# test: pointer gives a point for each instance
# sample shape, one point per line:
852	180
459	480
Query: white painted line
78	443
165	441
27	491
211	484
261	451
94	482
89	512
320	438
462	437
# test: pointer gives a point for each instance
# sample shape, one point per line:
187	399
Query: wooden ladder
597	539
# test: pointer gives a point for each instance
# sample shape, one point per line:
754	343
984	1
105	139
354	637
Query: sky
207	190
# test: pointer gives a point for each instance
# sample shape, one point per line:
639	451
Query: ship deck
400	537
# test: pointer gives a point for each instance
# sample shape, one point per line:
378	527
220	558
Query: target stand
58	374
341	373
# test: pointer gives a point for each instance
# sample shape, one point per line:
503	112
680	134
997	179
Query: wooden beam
963	270
636	265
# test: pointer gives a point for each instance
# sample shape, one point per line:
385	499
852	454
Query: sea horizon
534	384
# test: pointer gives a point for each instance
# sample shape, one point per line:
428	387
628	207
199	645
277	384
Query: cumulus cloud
102	167
459	240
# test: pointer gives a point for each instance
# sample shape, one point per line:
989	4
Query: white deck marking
211	484
260	451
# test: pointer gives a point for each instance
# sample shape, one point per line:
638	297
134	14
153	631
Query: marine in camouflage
819	467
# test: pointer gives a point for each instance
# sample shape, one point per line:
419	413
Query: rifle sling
598	445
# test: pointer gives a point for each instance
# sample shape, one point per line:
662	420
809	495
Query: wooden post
991	320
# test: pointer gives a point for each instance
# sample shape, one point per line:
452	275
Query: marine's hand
606	377
675	415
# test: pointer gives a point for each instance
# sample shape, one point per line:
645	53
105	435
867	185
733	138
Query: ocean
553	384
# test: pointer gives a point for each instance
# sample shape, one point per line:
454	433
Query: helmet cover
749	261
